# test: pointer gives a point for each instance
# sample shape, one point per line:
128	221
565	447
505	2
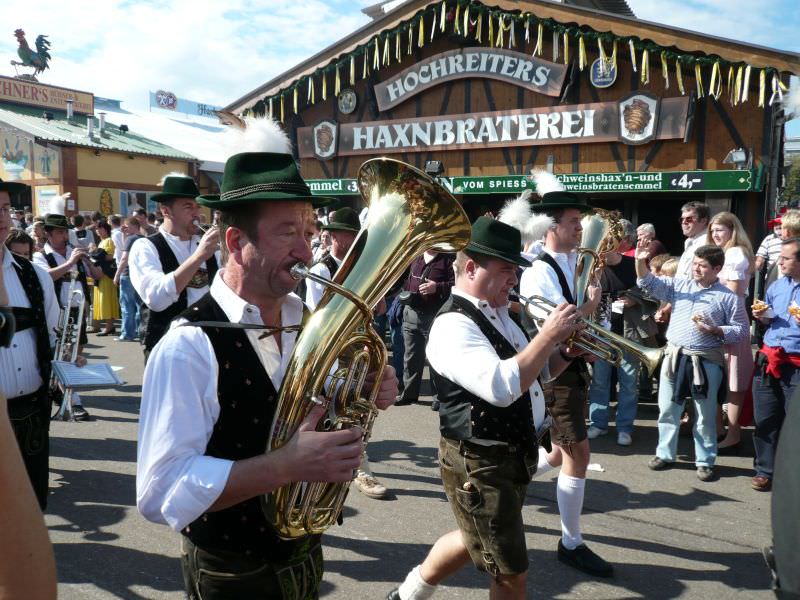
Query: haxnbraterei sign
657	181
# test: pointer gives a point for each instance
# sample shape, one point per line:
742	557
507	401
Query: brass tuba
408	214
602	233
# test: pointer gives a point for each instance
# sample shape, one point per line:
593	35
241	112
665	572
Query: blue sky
215	52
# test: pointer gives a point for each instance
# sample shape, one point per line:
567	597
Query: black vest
156	323
462	415
59	283
247	401
35	315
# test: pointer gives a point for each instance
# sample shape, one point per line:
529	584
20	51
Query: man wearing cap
552	276
173	268
63	261
25	361
343	228
491	413
210	393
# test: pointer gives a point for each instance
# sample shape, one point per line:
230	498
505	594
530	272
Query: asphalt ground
668	534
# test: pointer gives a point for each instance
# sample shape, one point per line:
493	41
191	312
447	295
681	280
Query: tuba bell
409	213
602	233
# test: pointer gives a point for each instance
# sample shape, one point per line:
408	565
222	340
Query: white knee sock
415	588
569	494
543	466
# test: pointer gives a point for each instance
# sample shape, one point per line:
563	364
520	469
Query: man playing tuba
210	394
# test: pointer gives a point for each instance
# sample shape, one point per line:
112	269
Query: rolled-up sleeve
156	289
459	352
737	329
175	481
661	288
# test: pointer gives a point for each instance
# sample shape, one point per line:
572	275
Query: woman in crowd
106	302
36	231
726	231
20	243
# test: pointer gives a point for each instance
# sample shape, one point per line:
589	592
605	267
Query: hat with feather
519	214
260	167
176	185
554	195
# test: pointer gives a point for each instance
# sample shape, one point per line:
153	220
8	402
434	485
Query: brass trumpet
597	340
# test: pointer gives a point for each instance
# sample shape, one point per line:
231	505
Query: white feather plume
538	226
58	204
546	182
260	135
173	174
517	212
792	103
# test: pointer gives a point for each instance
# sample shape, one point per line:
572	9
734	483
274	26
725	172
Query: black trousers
30	419
220	575
416	326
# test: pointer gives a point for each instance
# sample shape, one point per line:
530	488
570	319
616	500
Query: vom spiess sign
491	63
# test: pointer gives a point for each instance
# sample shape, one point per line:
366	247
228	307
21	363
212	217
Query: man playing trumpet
705	316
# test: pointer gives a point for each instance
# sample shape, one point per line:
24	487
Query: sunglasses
688	219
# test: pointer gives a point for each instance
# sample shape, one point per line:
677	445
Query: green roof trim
59	130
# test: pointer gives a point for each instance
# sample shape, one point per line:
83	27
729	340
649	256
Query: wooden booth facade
639	116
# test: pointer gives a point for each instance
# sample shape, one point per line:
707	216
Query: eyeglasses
688	219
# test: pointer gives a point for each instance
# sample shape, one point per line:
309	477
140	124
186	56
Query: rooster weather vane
38	60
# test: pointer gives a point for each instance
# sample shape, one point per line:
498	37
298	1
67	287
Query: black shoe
394	594
658	464
435	405
405	401
80	414
584	560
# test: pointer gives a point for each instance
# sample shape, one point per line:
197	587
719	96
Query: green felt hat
176	186
494	238
12	187
54	221
258	177
344	219
560	200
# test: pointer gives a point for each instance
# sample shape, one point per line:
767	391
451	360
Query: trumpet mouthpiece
299	271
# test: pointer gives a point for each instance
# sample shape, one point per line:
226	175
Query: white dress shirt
119	246
156	288
175	481
40	261
458	351
315	290
77	242
690	245
19	369
541	280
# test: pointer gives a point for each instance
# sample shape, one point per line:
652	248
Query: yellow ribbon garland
731	86
566	48
645	75
466	21
614	55
715	89
665	69
270	108
512	36
282	118
527	29
738	92
679	76
337	85
456	21
603	58
365	66
387	55
410	40
310	93
324	87
500	31
556	42
421	39
398	55
581	53
633	54
352	69
746	84
539	40
376	60
491	31
698	75
442	17
479	29
762	87
294	100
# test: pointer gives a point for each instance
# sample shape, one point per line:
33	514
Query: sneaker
624	439
369	486
595	432
705	473
658	464
80	414
584	560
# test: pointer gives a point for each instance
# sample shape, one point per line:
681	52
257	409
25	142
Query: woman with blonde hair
726	231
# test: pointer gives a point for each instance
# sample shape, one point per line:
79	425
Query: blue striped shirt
783	330
718	304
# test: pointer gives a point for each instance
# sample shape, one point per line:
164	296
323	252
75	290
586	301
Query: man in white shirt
694	224
343	228
25	362
63	262
172	269
491	413
552	276
210	395
79	235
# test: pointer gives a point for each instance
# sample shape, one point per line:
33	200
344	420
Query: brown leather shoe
761	484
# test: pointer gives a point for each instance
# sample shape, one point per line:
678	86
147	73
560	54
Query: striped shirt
770	249
19	369
719	305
